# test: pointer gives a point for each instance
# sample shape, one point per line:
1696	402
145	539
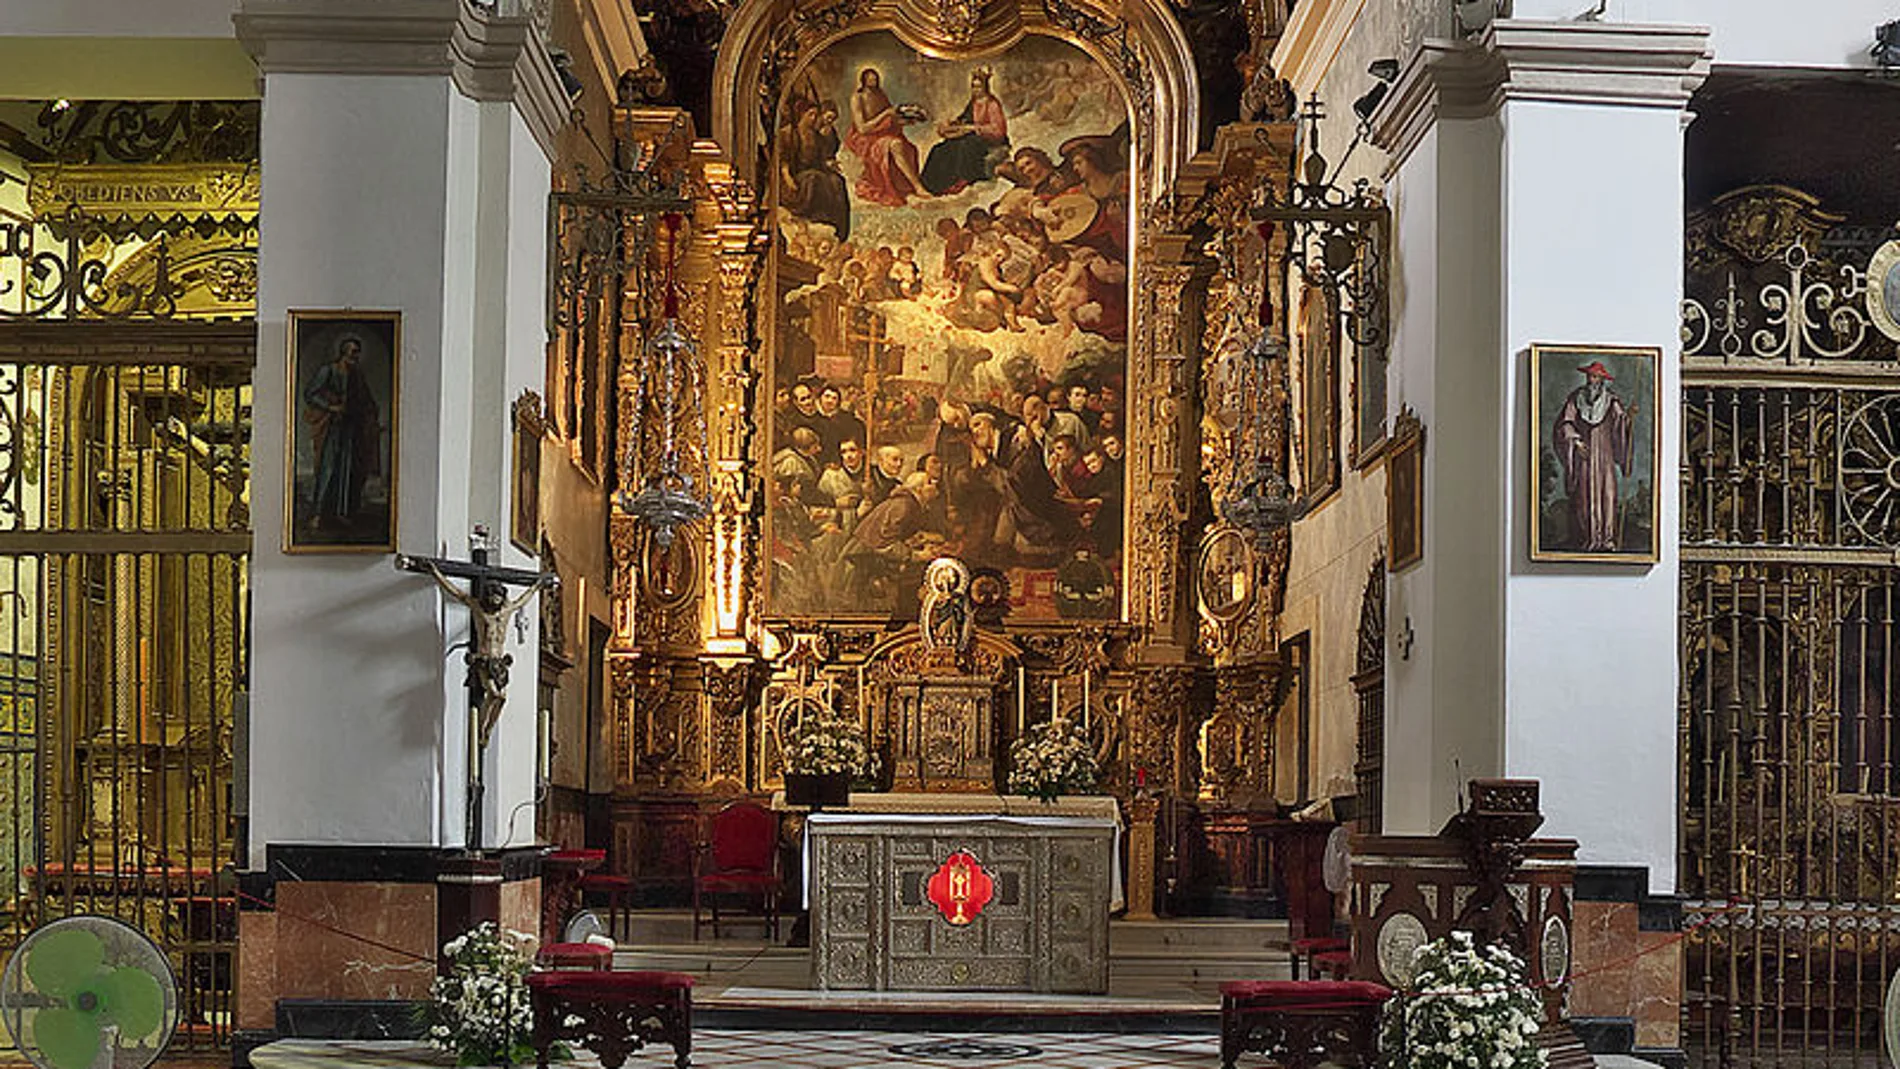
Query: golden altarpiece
1145	617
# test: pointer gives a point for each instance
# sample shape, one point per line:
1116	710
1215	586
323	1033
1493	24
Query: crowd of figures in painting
950	367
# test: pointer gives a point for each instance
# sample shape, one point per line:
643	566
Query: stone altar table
1012	896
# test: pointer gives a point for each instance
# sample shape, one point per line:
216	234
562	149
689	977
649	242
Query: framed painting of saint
341	431
949	359
524	525
1594	451
1405	492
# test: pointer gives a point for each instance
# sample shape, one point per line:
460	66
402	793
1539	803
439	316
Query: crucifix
490	610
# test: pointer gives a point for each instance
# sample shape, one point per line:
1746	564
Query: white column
1537	190
1593	177
404	163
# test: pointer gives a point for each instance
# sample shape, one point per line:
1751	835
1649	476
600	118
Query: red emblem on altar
960	888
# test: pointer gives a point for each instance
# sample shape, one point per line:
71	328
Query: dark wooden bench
613	1014
1301	1023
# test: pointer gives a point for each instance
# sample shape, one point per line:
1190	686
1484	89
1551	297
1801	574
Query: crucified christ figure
490	610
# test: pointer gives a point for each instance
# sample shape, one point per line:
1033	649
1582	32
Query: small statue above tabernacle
947	620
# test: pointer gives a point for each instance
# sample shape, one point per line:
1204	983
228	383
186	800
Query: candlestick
1022	700
1085	701
1055	699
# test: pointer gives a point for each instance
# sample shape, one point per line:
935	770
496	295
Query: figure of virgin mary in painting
877	137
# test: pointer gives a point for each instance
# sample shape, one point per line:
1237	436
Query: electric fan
584	924
89	993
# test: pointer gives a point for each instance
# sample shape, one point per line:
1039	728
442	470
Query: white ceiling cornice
491	57
1602	63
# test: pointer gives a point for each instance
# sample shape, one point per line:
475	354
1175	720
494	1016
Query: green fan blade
60	960
69	1038
134	1002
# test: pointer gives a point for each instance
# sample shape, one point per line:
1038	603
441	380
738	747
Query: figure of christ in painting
877	138
814	187
973	143
1592	435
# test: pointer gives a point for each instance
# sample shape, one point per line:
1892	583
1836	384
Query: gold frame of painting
1541	417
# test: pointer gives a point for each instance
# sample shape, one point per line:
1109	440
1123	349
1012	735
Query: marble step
668	927
1179	935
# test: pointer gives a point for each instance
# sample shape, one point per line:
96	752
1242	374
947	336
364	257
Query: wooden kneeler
1301	1023
614	1014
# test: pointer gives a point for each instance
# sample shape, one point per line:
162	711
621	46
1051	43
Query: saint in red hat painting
1595	478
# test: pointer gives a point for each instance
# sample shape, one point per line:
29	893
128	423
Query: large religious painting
1594	453
951	343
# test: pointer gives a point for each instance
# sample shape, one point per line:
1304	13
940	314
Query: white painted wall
521	251
118	18
1593	252
348	678
442	217
1775	33
1445	696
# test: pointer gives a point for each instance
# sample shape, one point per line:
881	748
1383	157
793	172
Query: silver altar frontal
962	893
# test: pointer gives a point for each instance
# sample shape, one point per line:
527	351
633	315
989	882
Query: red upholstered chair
737	855
618	891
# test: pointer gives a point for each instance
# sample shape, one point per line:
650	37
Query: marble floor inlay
716	1048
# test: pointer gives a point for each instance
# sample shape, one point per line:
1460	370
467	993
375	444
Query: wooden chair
738	855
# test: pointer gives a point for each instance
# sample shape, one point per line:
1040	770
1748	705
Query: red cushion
590	954
608	983
1305	994
575	855
1314	944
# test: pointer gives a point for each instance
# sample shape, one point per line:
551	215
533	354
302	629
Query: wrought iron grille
124	550
1790	812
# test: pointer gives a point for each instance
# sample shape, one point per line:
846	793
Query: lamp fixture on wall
1258	498
1886	50
669	366
1336	235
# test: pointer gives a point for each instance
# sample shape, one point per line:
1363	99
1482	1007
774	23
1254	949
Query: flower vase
817	789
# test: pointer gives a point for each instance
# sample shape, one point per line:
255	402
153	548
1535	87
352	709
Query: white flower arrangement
825	744
480	1009
1469	1006
1052	758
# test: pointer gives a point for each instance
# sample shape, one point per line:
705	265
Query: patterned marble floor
883	1050
745	1049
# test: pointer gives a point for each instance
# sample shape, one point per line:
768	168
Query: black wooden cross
490	609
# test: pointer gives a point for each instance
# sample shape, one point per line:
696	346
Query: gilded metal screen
124	549
1790	641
